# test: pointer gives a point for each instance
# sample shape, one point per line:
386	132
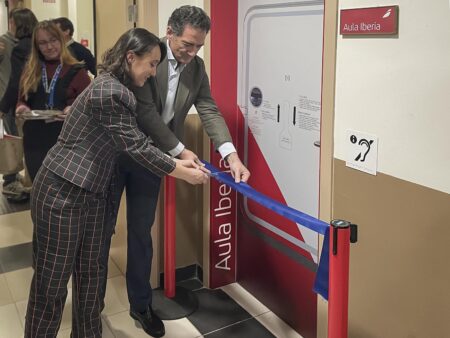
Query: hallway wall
397	88
4	19
80	12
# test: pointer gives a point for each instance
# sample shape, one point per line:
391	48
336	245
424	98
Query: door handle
317	144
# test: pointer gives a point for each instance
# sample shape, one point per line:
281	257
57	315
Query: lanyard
50	89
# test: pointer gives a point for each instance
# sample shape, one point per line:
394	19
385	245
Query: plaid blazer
101	123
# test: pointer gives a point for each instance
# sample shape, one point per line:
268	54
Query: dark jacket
81	53
5	60
19	57
71	82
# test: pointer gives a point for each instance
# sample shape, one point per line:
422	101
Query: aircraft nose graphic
387	14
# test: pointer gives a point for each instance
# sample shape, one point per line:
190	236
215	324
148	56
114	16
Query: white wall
72	13
3	18
399	89
48	10
81	13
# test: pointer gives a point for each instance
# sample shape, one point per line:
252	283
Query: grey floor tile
16	257
216	310
191	284
245	329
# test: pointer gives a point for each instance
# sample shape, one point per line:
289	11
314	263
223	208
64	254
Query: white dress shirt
174	71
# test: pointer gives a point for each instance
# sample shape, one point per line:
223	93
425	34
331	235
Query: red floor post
169	236
338	280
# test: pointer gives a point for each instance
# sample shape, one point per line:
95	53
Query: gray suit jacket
193	89
101	124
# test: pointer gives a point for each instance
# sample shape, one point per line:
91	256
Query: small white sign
362	151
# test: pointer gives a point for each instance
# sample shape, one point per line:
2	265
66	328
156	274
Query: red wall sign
363	21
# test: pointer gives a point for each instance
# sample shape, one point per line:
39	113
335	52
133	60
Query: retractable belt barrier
333	271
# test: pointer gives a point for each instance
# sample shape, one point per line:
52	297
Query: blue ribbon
323	270
321	282
281	209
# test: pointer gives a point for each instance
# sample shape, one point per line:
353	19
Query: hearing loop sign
362	151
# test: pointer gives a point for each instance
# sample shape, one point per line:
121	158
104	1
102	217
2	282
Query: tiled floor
230	312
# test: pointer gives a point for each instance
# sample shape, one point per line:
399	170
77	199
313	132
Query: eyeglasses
44	43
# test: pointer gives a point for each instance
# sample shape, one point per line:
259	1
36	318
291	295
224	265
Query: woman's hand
65	112
190	172
187	154
22	109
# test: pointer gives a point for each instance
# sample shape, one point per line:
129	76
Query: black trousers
142	190
68	235
38	138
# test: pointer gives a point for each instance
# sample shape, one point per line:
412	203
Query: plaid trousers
68	235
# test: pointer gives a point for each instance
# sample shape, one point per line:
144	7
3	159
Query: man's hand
237	168
186	154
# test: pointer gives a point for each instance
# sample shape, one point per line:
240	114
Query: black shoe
22	198
150	322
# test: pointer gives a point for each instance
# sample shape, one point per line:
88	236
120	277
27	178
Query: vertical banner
224	90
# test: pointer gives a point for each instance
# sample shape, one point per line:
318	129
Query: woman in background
51	80
21	22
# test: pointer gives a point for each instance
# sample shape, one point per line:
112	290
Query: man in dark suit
163	103
80	52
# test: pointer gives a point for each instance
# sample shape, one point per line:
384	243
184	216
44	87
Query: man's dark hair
189	15
64	24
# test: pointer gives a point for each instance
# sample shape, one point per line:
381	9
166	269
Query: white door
280	97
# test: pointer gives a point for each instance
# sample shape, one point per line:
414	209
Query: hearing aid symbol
362	142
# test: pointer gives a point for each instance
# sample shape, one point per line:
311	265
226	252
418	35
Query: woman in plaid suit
69	196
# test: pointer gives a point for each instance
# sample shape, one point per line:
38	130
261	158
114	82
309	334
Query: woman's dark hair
25	21
137	40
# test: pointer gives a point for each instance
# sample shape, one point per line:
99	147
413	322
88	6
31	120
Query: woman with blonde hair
51	80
